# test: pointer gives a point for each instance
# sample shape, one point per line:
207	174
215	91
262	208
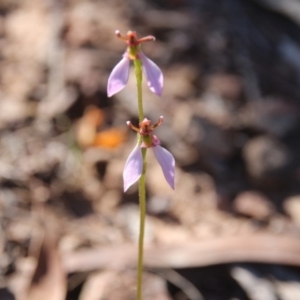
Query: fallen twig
263	248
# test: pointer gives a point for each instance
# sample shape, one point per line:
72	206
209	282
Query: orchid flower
134	165
119	75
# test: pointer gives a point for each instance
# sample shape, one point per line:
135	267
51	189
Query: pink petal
153	73
118	77
167	163
133	167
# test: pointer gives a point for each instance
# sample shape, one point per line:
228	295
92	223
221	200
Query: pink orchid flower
134	165
120	74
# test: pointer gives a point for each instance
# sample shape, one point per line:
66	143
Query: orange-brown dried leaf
110	138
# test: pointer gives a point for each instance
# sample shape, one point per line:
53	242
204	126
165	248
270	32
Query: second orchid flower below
134	164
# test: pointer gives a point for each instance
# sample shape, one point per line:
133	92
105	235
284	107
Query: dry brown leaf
49	280
87	126
96	285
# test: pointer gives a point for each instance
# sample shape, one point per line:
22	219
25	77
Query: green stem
139	79
142	186
142	200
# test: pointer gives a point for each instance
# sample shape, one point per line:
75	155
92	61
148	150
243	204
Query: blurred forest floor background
231	105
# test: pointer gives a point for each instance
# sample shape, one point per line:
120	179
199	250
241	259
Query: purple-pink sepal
134	166
167	163
118	77
154	76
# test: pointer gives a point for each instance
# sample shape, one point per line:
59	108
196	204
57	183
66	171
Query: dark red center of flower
145	130
132	40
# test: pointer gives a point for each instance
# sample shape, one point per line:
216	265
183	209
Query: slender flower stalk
139	80
142	202
142	186
136	165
